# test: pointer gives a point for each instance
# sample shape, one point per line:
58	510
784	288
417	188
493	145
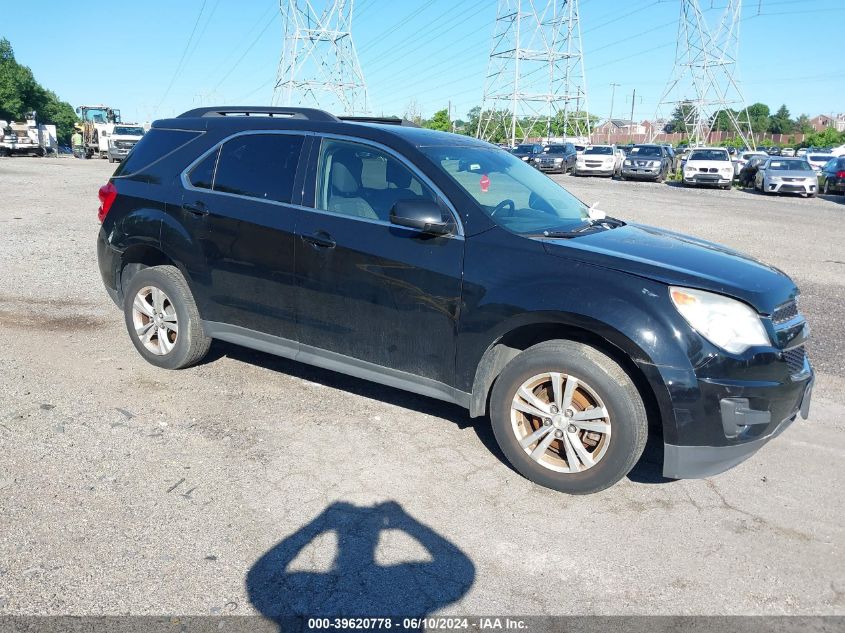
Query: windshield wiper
587	227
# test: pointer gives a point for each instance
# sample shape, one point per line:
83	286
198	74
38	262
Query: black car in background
442	265
527	151
647	162
748	172
832	176
556	158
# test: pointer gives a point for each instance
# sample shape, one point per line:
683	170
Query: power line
182	58
246	52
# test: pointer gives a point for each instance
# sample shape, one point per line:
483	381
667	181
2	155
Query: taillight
108	193
840	174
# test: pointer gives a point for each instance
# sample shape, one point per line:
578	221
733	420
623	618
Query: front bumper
118	153
551	167
586	170
645	173
708	179
790	187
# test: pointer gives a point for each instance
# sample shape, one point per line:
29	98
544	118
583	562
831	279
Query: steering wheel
504	203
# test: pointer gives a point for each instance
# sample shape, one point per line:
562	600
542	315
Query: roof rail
387	120
308	114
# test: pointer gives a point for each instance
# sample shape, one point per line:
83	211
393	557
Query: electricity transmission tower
535	73
319	66
703	86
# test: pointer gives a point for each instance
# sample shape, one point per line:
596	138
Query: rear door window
202	176
261	166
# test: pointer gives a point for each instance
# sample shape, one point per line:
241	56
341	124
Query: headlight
558	161
728	323
525	158
774	178
628	162
654	163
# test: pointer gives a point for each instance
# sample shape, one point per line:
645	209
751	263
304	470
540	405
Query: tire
182	348
601	380
811	195
111	160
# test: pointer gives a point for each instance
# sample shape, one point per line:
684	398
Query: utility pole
319	66
703	83
613	88
535	72
631	126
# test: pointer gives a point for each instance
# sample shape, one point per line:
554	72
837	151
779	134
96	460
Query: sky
157	58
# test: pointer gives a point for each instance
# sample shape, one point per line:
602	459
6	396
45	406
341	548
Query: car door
238	198
370	290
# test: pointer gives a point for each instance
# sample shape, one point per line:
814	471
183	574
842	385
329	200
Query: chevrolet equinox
445	266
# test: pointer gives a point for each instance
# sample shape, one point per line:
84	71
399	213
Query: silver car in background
818	160
786	175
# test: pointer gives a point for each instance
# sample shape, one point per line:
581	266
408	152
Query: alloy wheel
155	321
560	422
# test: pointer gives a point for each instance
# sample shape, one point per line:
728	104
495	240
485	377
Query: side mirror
424	215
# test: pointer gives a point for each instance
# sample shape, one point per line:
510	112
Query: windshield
709	154
524	149
599	150
515	195
556	149
646	150
819	158
790	165
129	131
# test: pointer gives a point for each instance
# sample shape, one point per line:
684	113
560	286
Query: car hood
677	259
707	164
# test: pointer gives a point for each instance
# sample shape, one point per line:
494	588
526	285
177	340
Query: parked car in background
818	160
800	153
646	162
438	264
832	176
748	172
122	139
599	160
787	152
786	175
557	158
709	166
774	151
742	159
675	160
579	149
527	151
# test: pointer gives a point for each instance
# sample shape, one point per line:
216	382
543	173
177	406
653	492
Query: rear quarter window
155	144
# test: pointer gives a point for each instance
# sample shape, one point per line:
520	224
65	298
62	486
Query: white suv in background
709	166
599	160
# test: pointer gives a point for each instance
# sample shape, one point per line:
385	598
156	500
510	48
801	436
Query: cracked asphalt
252	484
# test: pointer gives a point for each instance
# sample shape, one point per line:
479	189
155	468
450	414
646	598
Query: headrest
346	172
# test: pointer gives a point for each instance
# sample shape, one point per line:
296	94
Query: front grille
795	359
785	312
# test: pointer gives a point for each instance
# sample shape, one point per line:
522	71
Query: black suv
648	162
559	157
446	266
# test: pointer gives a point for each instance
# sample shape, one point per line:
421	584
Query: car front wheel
568	417
162	318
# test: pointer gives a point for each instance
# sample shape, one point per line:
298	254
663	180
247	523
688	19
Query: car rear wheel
568	417
162	318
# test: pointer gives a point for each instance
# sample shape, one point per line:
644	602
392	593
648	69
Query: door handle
198	208
320	239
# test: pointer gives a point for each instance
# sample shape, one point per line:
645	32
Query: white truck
27	137
123	138
98	123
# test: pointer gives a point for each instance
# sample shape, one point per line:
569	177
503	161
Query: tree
683	113
20	93
780	122
440	121
759	113
803	125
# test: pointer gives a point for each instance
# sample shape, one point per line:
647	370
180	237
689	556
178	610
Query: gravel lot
254	484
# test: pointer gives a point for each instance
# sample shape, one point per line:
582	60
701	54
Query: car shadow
358	581
429	406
